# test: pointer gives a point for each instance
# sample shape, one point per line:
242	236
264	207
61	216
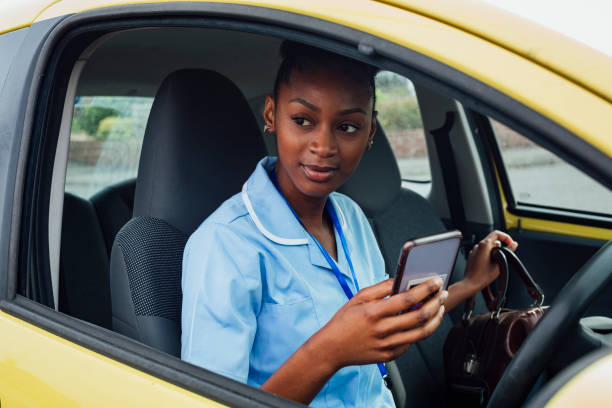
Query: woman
266	277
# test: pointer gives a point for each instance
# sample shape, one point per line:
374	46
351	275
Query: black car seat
88	230
84	290
396	215
200	145
114	206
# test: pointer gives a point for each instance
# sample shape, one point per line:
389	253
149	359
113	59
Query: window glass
538	177
105	141
400	117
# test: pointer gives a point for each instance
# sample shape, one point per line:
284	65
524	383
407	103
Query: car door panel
39	368
554	242
553	259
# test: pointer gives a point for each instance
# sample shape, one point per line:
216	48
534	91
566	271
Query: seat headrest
200	145
377	180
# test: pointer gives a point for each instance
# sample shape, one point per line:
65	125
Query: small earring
266	128
370	143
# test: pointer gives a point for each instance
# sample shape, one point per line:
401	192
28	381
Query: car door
559	214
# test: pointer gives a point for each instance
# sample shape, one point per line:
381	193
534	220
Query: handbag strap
493	302
534	290
506	260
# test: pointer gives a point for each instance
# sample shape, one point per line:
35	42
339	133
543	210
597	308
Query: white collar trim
262	229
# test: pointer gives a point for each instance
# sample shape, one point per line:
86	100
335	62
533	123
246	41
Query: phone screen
428	261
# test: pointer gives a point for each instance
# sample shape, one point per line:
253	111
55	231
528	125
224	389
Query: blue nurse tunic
256	287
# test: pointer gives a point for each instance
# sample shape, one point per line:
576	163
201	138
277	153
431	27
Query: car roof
16	14
559	53
571	59
481	41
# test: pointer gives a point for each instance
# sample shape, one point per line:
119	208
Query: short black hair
304	58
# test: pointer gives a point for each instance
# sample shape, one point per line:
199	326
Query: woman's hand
371	327
481	270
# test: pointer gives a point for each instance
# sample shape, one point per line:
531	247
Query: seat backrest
114	206
201	143
84	289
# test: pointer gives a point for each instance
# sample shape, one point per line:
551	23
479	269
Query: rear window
400	117
105	141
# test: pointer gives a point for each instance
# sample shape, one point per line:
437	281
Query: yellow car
90	247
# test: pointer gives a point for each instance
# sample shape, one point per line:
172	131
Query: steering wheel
564	313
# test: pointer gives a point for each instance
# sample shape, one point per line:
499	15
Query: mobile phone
425	258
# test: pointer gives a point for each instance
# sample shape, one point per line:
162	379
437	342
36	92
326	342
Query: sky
588	21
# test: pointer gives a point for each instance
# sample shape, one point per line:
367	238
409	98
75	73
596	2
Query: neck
309	209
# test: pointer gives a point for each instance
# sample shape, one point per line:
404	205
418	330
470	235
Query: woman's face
323	122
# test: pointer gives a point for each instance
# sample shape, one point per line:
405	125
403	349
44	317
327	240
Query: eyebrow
317	109
352	110
306	104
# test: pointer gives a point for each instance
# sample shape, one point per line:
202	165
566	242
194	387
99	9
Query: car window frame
10	43
571	216
341	39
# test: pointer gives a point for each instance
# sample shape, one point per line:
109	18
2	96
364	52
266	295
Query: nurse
284	287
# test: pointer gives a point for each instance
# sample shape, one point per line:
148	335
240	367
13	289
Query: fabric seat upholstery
200	145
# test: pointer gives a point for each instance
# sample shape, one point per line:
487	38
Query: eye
348	128
302	121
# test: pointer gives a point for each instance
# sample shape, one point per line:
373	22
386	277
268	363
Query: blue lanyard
334	266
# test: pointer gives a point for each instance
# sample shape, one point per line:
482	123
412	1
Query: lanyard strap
334	266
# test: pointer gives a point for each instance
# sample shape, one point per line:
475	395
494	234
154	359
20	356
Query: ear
373	126
269	113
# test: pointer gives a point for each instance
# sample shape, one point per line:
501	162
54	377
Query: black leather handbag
478	348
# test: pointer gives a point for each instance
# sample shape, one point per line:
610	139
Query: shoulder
228	225
225	241
230	210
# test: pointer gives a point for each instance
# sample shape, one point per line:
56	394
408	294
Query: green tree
87	119
399	113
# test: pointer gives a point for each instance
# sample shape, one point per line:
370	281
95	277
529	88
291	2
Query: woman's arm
480	270
370	328
367	329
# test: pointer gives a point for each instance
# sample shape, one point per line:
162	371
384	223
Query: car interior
117	262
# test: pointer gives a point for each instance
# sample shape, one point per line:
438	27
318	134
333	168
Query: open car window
539	179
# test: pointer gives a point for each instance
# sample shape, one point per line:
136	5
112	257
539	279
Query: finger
405	300
513	246
378	291
503	237
416	334
408	320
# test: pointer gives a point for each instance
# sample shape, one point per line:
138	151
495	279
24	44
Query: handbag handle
493	302
534	290
506	259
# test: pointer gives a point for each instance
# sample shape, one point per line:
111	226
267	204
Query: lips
319	174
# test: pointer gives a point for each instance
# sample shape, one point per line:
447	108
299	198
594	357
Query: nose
323	142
